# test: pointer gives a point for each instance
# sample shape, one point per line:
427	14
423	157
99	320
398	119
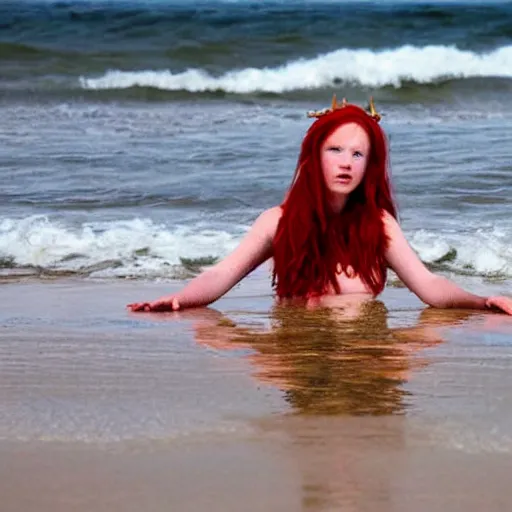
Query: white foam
482	251
143	248
140	246
365	67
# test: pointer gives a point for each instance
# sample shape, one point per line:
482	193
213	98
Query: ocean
138	142
140	139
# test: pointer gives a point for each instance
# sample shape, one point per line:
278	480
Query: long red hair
312	242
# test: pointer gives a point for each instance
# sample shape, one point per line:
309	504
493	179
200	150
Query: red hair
311	241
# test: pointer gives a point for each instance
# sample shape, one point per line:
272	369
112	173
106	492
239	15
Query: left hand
504	304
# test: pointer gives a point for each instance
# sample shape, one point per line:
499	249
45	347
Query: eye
335	149
358	154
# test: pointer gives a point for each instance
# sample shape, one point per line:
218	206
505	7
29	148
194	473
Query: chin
343	190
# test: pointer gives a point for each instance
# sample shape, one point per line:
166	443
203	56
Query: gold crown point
373	111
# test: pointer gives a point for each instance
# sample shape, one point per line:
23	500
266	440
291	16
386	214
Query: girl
335	232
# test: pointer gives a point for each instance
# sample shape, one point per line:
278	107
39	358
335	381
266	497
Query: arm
254	249
432	289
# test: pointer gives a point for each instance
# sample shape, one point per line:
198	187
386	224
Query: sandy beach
245	406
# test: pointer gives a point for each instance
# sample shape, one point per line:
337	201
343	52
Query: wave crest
363	67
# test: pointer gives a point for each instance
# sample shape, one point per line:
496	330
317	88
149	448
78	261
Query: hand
501	303
169	303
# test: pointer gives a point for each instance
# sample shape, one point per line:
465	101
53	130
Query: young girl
336	231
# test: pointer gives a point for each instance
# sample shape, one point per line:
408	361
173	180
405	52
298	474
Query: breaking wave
362	67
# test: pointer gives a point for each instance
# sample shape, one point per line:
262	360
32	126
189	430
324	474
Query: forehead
349	134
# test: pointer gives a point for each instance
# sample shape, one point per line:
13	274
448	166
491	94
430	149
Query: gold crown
337	106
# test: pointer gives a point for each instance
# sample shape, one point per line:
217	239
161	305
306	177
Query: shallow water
380	405
76	366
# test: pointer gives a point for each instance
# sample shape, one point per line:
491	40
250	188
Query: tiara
337	106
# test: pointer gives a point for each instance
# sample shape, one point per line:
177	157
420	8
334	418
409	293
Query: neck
337	203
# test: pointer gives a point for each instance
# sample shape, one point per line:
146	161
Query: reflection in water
330	364
333	360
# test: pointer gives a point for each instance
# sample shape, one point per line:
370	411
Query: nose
345	161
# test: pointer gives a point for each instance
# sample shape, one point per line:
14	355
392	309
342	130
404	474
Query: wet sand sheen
248	406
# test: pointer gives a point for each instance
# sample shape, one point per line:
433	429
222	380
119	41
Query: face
344	156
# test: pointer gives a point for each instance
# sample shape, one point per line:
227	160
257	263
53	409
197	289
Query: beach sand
244	406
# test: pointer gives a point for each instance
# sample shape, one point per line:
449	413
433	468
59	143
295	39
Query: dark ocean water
142	138
155	50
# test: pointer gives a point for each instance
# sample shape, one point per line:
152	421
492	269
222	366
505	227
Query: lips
343	178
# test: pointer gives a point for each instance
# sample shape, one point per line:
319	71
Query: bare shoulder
268	220
391	225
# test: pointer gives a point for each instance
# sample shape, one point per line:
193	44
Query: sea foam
141	248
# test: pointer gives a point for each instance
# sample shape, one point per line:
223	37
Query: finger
491	303
160	305
501	303
138	306
506	305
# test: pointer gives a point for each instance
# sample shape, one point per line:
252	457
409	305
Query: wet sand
247	407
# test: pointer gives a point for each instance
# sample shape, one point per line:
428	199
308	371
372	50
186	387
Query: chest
348	282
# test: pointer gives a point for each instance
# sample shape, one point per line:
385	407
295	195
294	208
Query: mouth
343	178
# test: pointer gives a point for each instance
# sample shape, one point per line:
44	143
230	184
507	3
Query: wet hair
311	241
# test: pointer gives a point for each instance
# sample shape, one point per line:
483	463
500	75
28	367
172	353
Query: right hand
169	303
502	304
